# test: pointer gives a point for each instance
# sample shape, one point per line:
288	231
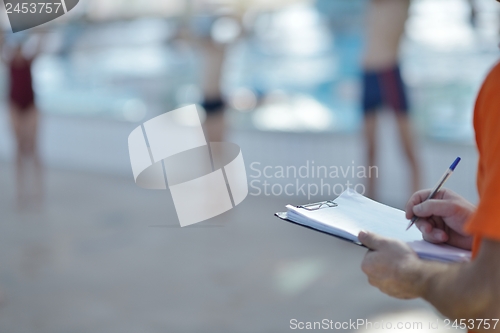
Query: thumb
435	207
371	240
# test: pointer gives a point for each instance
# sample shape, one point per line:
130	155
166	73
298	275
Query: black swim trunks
214	106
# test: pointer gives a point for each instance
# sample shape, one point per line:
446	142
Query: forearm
451	290
462	291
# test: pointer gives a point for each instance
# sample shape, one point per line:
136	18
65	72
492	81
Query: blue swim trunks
384	88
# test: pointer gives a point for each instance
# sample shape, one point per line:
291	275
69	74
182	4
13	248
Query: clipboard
317	206
351	213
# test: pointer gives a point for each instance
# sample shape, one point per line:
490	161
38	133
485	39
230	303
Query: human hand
391	266
441	219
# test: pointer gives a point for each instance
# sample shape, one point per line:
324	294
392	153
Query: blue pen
436	189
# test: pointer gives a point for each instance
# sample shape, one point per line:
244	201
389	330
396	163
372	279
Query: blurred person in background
18	54
473	13
214	103
383	84
213	28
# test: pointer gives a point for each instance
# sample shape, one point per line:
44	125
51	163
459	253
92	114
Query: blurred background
98	254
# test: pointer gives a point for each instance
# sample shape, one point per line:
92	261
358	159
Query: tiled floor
95	261
106	256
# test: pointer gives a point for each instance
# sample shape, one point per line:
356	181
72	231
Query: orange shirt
485	223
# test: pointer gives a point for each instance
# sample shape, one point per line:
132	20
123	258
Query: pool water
299	64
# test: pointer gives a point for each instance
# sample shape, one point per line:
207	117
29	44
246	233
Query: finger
373	282
431	233
371	240
415	199
366	264
424	226
443	208
437	236
421	196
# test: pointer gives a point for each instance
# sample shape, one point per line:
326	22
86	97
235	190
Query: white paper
355	213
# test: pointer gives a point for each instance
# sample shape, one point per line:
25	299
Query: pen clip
319	205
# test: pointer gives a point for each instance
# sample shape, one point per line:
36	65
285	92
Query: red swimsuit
21	84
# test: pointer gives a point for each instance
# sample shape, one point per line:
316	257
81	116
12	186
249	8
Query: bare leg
15	118
31	135
407	137
25	125
473	13
215	127
370	131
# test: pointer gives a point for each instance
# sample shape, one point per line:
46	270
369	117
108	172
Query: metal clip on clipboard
319	205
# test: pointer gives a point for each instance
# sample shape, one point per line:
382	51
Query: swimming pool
301	63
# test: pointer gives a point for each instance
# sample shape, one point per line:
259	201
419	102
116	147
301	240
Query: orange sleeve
485	223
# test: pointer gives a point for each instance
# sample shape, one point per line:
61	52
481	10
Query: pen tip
454	165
